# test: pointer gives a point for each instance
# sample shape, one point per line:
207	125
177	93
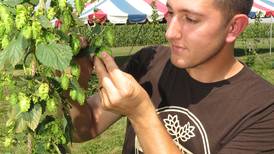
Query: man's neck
220	67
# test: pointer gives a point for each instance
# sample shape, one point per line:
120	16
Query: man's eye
170	12
191	20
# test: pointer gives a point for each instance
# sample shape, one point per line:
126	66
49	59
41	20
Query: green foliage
13	53
37	70
57	56
149	34
139	34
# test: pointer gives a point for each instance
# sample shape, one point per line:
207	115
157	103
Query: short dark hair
233	7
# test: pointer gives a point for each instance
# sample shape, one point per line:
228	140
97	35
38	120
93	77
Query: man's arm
91	119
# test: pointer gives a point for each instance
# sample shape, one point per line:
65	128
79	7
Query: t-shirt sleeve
256	138
138	64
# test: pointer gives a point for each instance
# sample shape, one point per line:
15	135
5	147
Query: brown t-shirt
230	116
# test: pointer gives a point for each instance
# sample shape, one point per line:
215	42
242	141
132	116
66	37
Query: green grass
111	141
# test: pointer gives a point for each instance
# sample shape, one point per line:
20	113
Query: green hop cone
21	16
110	36
79	5
73	94
98	42
51	105
50	37
75	44
63	139
105	49
13	99
36	29
7	19
24	102
62	4
75	71
51	13
66	21
38	13
65	82
5	41
2	29
80	97
4	13
7	141
43	91
27	32
8	25
34	99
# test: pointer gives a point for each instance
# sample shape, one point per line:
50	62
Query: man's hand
119	91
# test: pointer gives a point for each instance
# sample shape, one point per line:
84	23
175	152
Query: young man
193	97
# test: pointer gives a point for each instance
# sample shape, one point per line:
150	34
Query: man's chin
179	63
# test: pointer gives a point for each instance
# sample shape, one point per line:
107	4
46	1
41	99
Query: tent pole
270	43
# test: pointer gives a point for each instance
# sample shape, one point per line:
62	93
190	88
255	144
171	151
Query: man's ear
236	26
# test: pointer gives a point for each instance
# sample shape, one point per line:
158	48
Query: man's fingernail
104	54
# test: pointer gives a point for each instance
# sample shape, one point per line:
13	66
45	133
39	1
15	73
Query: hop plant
75	71
13	99
43	91
24	102
66	20
51	13
21	16
64	82
6	18
79	5
38	68
36	29
62	4
5	41
27	31
75	44
51	105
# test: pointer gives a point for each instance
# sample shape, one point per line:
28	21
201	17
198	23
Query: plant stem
29	143
33	67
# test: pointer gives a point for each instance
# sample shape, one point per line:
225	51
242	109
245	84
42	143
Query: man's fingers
109	62
104	98
115	73
104	77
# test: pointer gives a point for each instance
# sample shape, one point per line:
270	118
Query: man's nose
173	29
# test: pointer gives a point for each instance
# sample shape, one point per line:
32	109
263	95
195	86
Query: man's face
196	31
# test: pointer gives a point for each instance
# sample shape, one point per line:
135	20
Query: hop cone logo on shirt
178	132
